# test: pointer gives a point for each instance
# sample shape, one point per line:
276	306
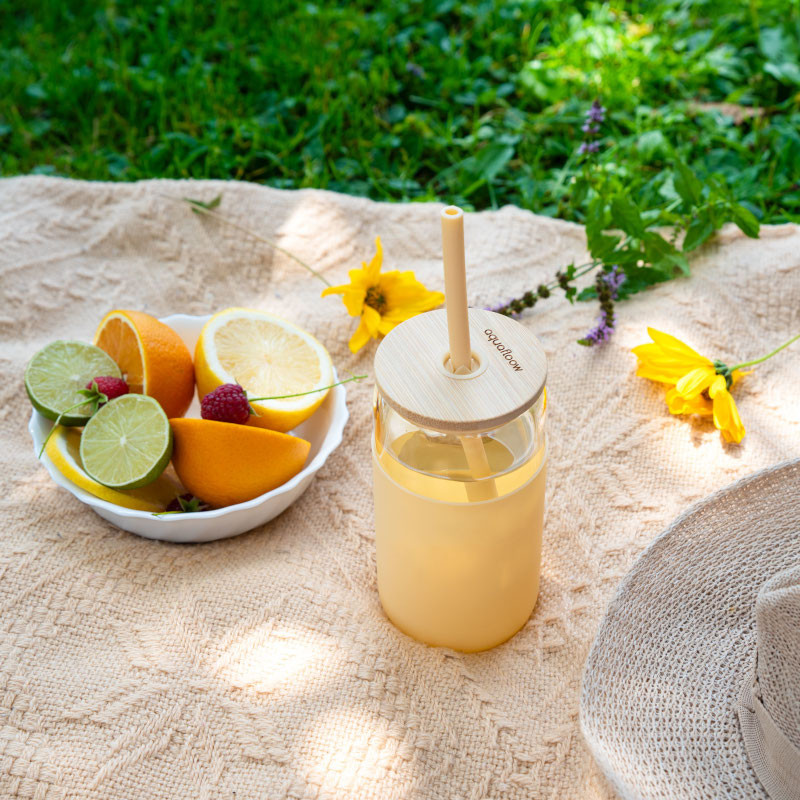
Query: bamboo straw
455	290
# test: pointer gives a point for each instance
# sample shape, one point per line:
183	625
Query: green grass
479	103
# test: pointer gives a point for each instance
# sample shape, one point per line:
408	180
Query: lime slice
127	443
63	449
56	372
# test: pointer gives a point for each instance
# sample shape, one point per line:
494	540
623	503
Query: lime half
63	450
127	443
56	373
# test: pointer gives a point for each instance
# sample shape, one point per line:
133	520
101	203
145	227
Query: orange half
223	463
152	357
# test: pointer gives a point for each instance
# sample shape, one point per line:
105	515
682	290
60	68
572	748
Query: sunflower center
375	299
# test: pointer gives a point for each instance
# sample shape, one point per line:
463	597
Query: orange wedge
223	463
153	358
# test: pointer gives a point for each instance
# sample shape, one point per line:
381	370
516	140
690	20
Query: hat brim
664	675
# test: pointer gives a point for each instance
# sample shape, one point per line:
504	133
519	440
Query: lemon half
268	356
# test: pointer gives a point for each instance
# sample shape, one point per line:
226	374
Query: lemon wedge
63	449
267	356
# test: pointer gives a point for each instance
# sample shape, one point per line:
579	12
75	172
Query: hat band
775	760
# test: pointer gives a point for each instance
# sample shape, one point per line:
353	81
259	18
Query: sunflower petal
668	342
367	329
353	300
726	415
651	350
696	381
737	375
360	337
373	269
402	290
352	297
665	370
335	290
678	404
387	325
665	365
659	374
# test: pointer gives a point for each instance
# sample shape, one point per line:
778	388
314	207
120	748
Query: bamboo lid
507	377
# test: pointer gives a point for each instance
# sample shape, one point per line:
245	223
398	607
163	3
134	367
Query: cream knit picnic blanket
262	666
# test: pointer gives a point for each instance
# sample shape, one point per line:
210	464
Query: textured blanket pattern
262	666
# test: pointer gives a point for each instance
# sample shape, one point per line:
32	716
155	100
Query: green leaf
663	256
651	144
667	188
640	278
579	192
625	215
785	73
778	46
697	233
636	279
746	220
687	184
491	160
627	256
595	218
209	206
600	245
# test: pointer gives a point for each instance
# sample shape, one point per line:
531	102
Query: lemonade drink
458	559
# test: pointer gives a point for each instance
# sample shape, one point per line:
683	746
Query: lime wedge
127	443
56	372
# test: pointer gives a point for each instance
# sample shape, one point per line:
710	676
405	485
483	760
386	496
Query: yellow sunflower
382	300
699	385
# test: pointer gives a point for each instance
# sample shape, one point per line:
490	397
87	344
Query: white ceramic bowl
323	429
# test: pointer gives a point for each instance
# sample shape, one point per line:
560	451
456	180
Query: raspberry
109	386
227	403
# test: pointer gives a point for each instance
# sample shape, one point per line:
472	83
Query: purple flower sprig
596	113
607	285
515	306
613	279
564	279
601	332
595	117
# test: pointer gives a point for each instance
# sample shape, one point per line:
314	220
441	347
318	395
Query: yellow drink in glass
458	558
459	465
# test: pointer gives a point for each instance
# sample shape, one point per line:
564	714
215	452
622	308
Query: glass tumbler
459	466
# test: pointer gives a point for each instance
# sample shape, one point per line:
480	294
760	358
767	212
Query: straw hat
692	687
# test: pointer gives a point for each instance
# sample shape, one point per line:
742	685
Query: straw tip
452	212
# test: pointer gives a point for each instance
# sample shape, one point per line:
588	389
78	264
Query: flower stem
201	209
768	355
311	391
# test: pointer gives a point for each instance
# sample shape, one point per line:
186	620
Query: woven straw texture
262	666
665	676
769	706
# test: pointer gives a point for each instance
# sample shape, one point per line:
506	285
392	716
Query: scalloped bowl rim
331	440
